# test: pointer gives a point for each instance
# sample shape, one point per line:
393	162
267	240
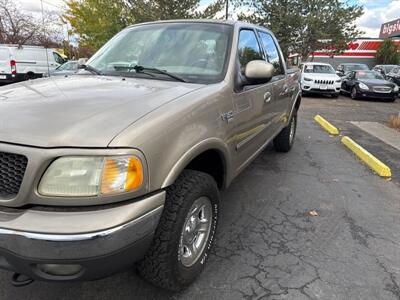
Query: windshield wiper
142	69
91	69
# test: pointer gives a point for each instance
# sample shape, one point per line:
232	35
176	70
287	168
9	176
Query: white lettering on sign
390	28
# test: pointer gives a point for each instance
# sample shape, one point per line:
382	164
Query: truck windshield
196	52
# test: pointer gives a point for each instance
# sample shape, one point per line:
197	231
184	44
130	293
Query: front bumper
100	240
312	88
376	95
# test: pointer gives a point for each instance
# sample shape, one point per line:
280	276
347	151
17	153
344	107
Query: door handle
267	97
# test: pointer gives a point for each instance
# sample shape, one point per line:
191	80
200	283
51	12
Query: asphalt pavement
268	245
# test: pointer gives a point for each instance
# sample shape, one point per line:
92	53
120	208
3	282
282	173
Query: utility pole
45	34
227	9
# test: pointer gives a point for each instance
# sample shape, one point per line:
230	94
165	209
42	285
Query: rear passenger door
282	92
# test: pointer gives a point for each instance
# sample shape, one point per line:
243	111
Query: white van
19	63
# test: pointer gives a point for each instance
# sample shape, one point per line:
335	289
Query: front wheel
285	139
354	94
185	233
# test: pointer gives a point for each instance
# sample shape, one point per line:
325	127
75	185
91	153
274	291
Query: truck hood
81	110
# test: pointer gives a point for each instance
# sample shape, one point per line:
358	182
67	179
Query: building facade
359	51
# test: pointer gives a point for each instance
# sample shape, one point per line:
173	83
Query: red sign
390	29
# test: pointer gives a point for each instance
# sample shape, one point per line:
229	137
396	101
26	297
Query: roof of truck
213	21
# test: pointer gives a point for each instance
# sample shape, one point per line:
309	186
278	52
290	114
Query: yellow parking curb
375	164
326	125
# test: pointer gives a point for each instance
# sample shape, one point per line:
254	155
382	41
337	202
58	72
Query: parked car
319	78
68	68
369	84
124	162
346	68
19	63
394	75
383	69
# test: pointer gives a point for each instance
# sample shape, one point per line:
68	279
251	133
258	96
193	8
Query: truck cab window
249	49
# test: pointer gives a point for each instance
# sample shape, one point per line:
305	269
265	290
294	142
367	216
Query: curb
326	125
375	164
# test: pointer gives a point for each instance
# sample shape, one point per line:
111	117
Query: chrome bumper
31	237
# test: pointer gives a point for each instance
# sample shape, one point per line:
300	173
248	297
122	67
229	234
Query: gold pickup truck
122	162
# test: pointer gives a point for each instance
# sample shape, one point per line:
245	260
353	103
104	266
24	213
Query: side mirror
259	71
339	73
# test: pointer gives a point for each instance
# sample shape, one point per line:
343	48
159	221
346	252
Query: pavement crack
357	232
393	286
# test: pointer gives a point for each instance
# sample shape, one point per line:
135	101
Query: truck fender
193	152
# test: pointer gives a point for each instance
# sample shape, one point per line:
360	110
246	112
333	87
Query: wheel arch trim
214	144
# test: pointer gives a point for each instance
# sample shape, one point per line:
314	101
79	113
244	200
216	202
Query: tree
304	26
96	21
153	10
17	27
388	53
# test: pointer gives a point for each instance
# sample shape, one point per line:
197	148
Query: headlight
91	176
338	80
395	89
307	79
363	86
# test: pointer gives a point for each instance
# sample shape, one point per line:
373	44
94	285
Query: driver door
253	115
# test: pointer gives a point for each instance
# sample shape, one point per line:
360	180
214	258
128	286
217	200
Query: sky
376	12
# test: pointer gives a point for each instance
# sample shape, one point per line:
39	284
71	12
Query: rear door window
272	52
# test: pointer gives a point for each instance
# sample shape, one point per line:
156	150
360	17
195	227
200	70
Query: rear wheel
185	233
285	139
29	76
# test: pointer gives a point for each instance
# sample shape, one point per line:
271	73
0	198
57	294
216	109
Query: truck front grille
12	170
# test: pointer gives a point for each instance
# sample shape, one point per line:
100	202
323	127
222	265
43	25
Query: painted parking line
326	125
370	160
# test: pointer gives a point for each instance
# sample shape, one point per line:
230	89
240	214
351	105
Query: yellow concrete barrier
375	164
326	125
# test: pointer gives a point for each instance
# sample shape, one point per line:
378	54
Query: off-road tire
161	264
283	142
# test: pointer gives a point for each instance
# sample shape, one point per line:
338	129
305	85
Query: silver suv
123	161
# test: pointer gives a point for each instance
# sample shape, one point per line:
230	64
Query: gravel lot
268	246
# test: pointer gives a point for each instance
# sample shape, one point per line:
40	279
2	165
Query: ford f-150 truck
122	163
